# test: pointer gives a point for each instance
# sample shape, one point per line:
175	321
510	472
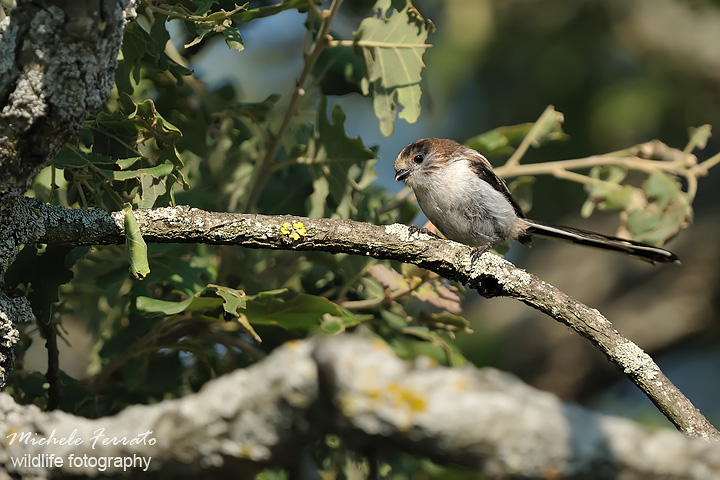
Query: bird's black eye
418	159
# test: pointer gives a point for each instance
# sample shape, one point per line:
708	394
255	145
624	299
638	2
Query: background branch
356	387
491	276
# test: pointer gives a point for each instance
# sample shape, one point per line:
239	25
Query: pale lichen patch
635	361
404	233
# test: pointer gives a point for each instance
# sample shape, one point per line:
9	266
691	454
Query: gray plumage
460	194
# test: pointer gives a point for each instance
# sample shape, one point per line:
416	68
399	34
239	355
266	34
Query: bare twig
53	369
539	128
632	163
647	157
389	297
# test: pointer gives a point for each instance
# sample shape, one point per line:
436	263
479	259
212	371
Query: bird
469	203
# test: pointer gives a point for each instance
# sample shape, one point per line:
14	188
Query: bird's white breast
463	206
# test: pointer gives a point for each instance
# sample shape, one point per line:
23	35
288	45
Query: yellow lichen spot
406	397
293	230
300	228
460	384
373	395
12	431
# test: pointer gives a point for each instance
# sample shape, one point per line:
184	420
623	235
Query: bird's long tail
596	240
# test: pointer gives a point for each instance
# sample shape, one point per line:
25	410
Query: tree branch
491	276
356	387
57	66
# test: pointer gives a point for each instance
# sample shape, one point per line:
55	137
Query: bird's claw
415	229
478	252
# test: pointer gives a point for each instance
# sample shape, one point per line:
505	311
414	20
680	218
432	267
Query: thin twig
547	168
709	163
310	56
187	16
531	137
53	364
389	297
342	293
584	179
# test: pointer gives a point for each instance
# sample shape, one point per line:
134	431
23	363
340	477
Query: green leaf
204	6
233	39
607	194
71	157
667	213
548	127
494	142
125	163
699	137
142	51
191	304
339	70
337	162
233	300
502	141
158	171
392	44
153	122
302	312
136	246
444	321
208	299
155	191
431	344
140	147
662	188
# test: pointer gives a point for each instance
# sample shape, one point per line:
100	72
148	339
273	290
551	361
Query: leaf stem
583	179
389	297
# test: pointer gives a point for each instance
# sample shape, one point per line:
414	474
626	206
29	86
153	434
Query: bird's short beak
401	175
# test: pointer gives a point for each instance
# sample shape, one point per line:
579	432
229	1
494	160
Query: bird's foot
415	229
478	252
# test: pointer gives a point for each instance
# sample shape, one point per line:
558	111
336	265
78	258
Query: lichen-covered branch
356	387
57	65
491	275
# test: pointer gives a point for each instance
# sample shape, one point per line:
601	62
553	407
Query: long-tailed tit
462	196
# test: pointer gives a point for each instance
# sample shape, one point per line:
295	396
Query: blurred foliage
163	137
201	311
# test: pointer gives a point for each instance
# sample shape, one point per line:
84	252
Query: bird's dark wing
481	167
